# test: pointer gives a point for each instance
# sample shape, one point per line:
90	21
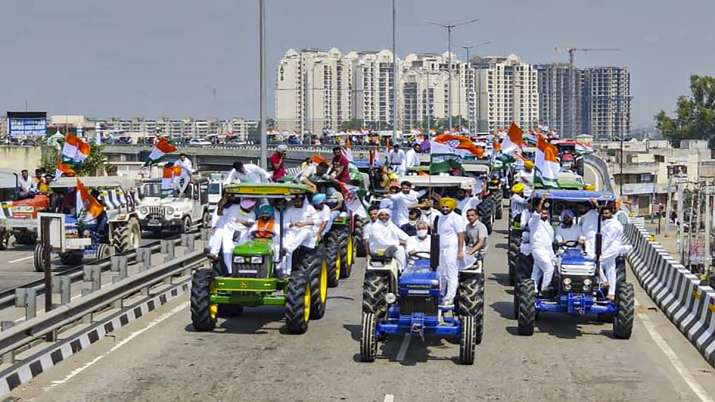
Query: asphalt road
161	358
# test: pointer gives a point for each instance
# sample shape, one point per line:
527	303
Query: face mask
422	234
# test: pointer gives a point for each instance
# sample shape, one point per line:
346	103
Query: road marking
20	259
670	354
389	398
403	348
121	343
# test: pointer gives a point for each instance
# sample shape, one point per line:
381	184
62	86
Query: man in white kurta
299	221
397	157
568	231
612	234
231	220
412	157
187	168
383	234
450	228
402	202
246	173
589	226
541	239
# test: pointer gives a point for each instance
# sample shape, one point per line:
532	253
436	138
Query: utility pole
668	207
690	222
621	163
681	249
262	81
394	74
707	259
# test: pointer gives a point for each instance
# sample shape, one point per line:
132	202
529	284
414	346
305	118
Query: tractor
255	280
576	288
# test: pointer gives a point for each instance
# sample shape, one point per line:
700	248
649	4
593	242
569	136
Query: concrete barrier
680	295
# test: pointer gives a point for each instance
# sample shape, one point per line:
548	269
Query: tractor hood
422	278
254	248
574	256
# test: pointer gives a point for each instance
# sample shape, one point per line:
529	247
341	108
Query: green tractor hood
254	248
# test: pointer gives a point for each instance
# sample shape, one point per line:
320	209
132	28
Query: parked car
199	142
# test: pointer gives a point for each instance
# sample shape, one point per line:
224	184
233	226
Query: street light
394	74
262	81
449	28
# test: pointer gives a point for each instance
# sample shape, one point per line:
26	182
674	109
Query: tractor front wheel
374	293
313	261
297	307
203	313
332	259
467	339
526	316
470	302
623	321
368	340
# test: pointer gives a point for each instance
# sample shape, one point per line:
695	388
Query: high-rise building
561	101
506	91
372	86
607	92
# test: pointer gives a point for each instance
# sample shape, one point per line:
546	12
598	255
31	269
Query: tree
94	165
352	124
694	115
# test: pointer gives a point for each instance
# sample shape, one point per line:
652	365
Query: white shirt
568	234
400	206
468	203
622	217
450	225
612	232
323	215
295	215
518	204
382	236
397	158
528	179
254	174
589	223
412	158
231	216
541	233
25	185
416	244
429	219
186	166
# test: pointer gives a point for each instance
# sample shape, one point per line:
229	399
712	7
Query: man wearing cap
567	231
384	234
450	228
232	224
246	173
277	163
412	157
517	203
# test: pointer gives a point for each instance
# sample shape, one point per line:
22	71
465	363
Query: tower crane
573	50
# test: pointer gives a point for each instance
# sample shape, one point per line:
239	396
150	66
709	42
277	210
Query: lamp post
394	74
262	80
449	28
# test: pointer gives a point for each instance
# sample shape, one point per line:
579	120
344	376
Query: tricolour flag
75	150
63	169
546	162
169	176
161	148
514	140
87	203
459	145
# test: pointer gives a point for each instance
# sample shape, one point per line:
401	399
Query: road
161	358
591	176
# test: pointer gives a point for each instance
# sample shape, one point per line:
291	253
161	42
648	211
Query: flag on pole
514	139
75	150
87	203
546	162
457	145
161	148
63	169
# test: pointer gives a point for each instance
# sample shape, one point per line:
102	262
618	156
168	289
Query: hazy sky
180	58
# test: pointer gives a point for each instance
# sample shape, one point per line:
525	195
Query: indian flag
63	169
457	145
75	150
546	162
87	203
514	140
161	148
168	177
445	164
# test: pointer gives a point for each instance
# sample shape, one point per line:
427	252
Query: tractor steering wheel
421	255
571	243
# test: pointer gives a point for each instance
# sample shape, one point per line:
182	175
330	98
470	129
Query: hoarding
26	124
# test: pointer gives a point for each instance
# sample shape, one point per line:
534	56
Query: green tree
95	164
352	124
694	115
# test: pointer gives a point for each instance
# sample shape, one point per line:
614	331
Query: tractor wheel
374	292
28	238
623	321
314	262
527	307
357	235
186	225
470	302
71	258
523	267
206	220
297	307
346	254
203	313
332	258
37	260
229	310
127	236
467	339
368	340
103	251
620	270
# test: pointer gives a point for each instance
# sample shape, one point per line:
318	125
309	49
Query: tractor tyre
203	313
332	258
26	237
368	340
526	297
347	255
71	258
229	310
623	321
524	265
103	251
620	270
357	235
206	220
313	261
297	307
470	302
374	292
37	260
127	236
467	339
185	225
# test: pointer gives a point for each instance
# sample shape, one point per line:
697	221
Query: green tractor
254	280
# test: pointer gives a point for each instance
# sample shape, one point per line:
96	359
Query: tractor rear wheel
203	313
467	339
332	258
346	254
313	261
620	270
37	261
526	317
623	321
103	251
297	307
374	292
368	340
357	234
126	236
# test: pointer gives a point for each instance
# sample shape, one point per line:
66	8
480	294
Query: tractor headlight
238	260
567	283
169	210
257	260
587	285
390	298
86	233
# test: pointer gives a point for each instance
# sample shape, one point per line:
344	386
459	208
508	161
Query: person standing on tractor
403	201
232	224
567	231
526	177
450	228
518	204
466	201
541	240
412	157
588	221
341	169
476	234
396	158
322	220
372	215
246	173
383	234
277	163
612	233
428	213
298	219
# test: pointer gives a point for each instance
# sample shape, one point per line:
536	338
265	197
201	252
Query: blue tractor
576	288
408	303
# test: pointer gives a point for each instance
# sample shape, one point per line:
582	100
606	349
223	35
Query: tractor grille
250	270
418	304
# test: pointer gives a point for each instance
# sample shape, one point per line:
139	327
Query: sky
178	58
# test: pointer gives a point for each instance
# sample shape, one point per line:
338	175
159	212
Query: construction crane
573	50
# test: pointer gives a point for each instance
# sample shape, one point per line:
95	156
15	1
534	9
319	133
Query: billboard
24	124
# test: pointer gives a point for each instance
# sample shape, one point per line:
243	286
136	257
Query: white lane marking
674	360
403	348
20	259
121	343
389	398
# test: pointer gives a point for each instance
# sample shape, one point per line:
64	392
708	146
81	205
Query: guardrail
687	302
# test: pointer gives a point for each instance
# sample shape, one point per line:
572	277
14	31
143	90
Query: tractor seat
384	255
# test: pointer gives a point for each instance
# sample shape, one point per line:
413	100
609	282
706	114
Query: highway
161	358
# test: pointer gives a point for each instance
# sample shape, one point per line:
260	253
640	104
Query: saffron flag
514	139
458	145
161	148
63	169
75	150
87	203
546	162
